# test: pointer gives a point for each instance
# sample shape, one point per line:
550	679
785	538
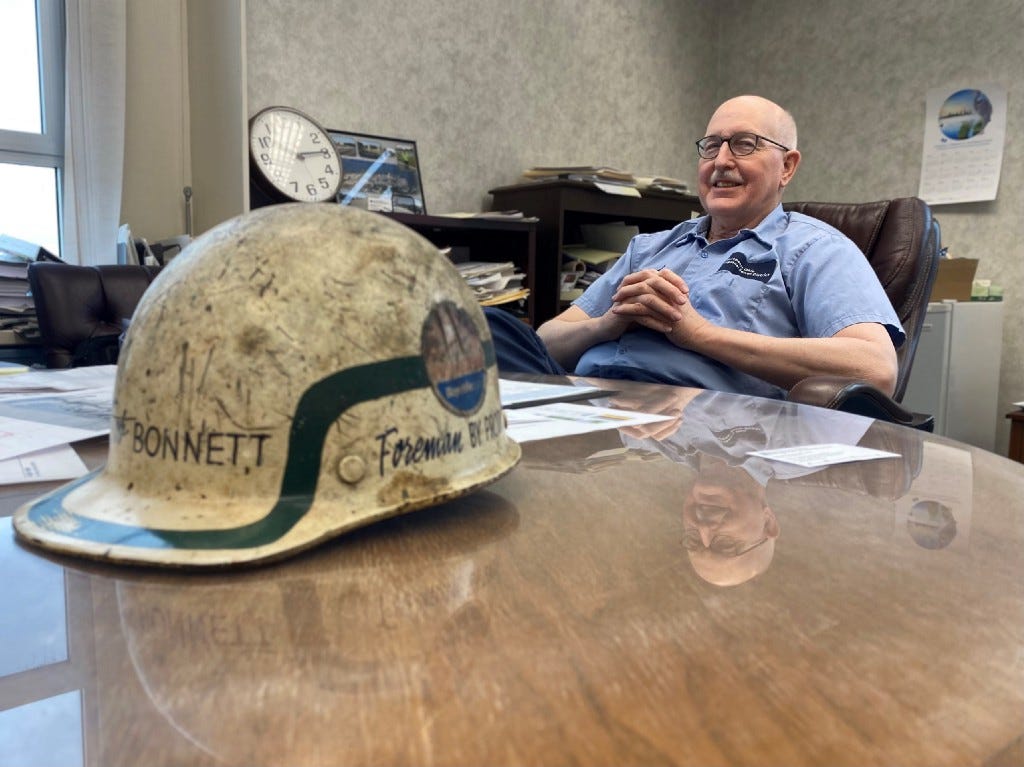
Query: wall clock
291	157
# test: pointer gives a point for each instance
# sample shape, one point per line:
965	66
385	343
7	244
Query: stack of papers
16	305
15	301
608	180
591	172
43	411
494	215
493	283
661	184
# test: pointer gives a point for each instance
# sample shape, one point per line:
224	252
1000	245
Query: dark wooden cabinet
1016	435
563	205
482	239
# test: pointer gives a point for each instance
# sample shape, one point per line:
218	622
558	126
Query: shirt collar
769	225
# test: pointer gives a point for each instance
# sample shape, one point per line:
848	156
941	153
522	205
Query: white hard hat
295	372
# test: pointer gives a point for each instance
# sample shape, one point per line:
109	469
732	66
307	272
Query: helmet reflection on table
296	372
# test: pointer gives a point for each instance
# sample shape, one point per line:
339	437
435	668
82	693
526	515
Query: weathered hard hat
295	372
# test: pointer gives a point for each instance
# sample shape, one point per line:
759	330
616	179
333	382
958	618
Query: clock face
293	155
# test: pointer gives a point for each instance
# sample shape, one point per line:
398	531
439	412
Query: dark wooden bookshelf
483	239
562	206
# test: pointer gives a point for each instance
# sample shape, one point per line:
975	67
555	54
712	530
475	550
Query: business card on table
812	456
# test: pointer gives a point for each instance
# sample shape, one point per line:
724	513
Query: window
32	120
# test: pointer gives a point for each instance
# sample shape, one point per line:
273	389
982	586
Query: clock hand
304	155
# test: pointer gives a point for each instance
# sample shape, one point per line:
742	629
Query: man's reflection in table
730	527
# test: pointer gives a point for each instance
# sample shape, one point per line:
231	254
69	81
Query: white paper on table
562	419
70	379
54	463
88	409
519	393
813	456
19	437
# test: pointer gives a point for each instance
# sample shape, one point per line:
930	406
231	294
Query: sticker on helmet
454	357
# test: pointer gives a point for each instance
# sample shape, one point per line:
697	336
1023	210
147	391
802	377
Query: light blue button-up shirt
791	276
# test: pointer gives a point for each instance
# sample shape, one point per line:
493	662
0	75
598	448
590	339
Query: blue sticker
454	357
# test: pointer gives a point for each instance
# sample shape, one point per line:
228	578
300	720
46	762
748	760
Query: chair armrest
853	396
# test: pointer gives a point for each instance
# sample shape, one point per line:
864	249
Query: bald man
747	298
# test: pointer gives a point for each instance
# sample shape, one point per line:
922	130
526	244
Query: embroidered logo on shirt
737	264
753	434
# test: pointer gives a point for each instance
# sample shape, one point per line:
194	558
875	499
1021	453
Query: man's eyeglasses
722	545
740	144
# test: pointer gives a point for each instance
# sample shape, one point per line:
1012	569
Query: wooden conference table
566	614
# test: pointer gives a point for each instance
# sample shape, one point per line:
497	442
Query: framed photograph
379	173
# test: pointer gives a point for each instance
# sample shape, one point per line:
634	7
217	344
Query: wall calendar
964	132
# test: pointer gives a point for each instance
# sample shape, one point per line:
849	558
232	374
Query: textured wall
488	88
855	75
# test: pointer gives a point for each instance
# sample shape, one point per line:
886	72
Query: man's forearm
862	351
566	340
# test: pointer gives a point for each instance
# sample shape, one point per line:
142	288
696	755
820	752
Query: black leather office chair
901	240
82	310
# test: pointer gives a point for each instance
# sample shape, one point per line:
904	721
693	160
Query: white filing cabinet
956	370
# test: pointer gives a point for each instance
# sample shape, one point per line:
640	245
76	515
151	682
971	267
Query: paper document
20	437
564	418
56	463
88	410
620	189
520	393
71	379
36	422
813	456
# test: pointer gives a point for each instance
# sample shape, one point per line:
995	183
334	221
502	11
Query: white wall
219	112
156	151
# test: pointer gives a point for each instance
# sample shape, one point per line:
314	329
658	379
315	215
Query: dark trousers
517	346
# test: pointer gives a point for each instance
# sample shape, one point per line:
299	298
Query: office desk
558	617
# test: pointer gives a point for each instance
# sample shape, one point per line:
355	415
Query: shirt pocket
735	294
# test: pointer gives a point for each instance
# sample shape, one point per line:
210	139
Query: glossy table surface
652	597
